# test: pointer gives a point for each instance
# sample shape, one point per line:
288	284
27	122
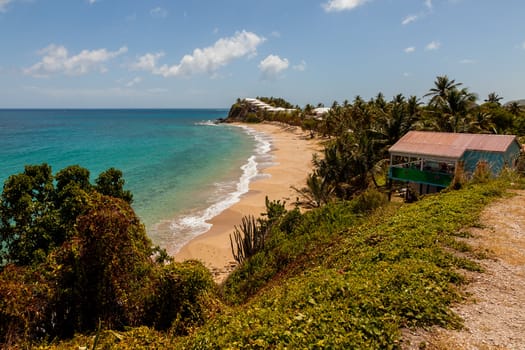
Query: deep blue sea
181	168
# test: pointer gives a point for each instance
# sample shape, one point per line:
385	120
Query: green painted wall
424	177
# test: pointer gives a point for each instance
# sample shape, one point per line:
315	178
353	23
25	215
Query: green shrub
26	300
482	173
114	265
178	298
252	118
290	221
368	201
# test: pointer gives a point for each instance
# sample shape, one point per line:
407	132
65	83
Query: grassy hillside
343	276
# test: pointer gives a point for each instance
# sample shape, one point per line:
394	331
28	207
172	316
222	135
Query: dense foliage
350	275
37	216
276	102
75	257
338	280
359	133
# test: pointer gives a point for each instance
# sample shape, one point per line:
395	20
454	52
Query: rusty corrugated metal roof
449	145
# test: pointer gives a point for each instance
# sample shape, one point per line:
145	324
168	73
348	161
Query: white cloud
3	5
433	45
272	65
134	82
410	49
409	19
56	59
467	61
91	2
301	67
420	15
523	45
342	5
158	12
148	61
206	60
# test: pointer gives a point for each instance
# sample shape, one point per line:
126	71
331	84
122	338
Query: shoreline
291	152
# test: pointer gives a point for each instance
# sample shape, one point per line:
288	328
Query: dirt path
494	315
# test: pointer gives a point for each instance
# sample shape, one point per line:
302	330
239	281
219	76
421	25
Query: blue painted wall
496	161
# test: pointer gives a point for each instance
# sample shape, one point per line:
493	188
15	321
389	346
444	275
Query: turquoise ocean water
181	168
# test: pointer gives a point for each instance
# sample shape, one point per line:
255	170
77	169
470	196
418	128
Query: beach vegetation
111	183
249	238
318	191
252	118
359	134
493	98
276	102
350	274
75	259
38	211
354	280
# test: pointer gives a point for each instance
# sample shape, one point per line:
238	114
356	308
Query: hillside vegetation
348	275
75	258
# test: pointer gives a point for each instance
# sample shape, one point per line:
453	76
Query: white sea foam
186	227
207	123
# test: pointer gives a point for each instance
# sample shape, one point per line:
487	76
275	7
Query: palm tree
308	109
482	122
494	98
380	101
456	108
413	108
515	108
451	105
335	122
442	87
398	120
317	191
361	115
349	163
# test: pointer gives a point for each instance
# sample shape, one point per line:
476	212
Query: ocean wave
263	147
188	226
207	123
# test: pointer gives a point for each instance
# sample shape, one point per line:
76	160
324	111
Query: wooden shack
429	160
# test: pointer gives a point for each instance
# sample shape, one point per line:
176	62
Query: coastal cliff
255	110
239	111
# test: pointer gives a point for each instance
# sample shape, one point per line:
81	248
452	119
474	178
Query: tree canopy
75	254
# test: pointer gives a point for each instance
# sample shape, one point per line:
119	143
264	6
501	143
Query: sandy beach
292	152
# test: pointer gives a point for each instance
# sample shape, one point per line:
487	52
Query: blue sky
206	53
